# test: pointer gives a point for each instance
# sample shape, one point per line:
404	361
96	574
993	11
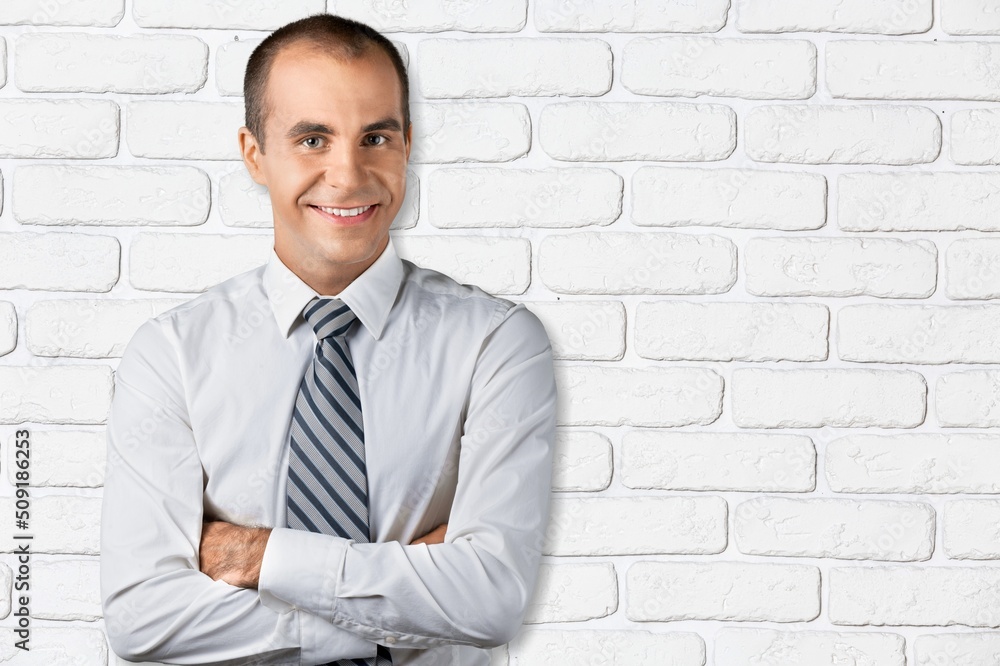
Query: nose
345	168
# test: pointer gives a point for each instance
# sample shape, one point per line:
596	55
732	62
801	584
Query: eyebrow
308	127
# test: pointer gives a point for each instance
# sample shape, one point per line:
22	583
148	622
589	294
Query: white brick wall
525	66
625	131
79	62
858	16
758	232
872	134
660	591
693	66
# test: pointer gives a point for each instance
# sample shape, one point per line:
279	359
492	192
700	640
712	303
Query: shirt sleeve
474	588
157	603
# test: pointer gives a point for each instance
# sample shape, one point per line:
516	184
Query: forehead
306	81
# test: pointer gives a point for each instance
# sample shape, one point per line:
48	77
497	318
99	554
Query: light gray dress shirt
458	400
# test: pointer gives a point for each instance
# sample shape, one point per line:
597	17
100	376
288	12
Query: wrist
256	555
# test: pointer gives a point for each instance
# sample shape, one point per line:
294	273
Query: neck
325	276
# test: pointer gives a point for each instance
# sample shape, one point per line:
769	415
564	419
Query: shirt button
391	640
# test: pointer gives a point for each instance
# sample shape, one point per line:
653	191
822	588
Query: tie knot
329	317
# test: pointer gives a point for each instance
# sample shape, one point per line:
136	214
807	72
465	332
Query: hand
232	553
434	536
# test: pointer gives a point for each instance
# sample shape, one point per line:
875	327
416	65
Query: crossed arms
233	553
321	597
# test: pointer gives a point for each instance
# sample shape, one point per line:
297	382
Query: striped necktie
327	484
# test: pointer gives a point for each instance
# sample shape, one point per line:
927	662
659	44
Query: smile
346	215
345	212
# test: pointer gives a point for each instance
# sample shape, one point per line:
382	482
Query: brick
56	261
66	524
860	16
184	130
650	396
64	128
454	132
231	64
636	526
836	397
619	131
972	529
66	590
972	268
525	66
223	14
193	262
767	647
637	263
582	461
872	134
922	596
666	460
55	393
60	458
630	16
91	13
913	70
8	327
918	333
497	265
822	266
667	591
843	529
957	649
88	328
739	198
495	197
6	578
57	646
694	66
244	203
435	15
973	137
560	647
81	62
584	330
970	17
968	399
3	62
913	463
933	201
111	195
573	593
721	331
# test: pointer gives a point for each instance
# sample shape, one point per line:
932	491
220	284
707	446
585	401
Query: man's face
334	140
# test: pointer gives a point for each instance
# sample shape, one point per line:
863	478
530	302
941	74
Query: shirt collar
370	296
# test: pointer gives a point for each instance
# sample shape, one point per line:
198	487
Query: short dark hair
339	36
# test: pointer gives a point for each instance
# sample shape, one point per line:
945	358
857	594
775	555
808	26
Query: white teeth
344	212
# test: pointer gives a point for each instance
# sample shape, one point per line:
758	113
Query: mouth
346	216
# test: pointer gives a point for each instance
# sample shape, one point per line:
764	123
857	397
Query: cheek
391	169
289	187
394	178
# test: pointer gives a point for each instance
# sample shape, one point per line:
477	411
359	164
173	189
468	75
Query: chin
349	250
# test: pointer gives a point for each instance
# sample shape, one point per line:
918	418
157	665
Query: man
235	413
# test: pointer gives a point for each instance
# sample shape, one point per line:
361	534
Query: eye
370	138
312	138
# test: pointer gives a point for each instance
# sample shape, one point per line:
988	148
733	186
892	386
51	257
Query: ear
251	153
